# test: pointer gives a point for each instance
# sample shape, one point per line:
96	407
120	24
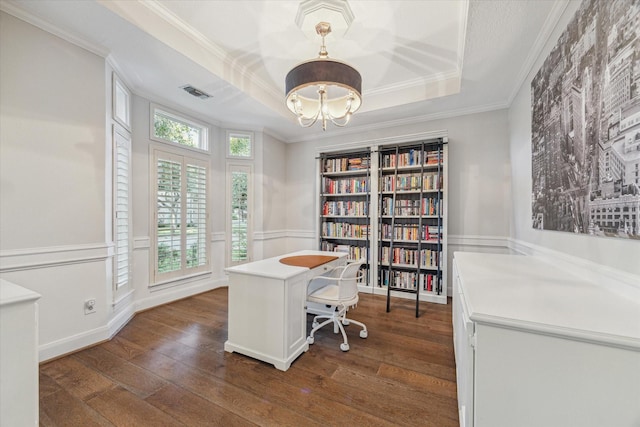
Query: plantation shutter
169	215
181	215
122	205
196	216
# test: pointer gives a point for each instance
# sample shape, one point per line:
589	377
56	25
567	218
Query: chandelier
323	89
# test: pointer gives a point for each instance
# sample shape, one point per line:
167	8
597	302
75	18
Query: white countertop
272	267
10	293
527	292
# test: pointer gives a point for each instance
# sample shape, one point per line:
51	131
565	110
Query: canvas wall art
586	125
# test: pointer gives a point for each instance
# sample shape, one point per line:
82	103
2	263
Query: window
121	103
240	145
181	216
169	127
121	207
239	192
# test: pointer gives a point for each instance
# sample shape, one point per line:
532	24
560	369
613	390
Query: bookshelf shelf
394	199
362	239
345	197
345	194
411	221
343	216
354	172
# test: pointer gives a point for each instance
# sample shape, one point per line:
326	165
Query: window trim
116	84
229	167
117	130
230	134
174	115
184	274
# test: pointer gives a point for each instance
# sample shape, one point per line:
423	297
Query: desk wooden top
309	261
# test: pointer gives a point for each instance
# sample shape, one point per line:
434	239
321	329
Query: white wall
270	232
479	180
621	254
52	180
55	182
147	295
479	172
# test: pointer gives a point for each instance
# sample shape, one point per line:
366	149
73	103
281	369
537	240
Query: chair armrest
320	281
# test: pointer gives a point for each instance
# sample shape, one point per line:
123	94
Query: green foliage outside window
172	130
240	146
239	219
168	260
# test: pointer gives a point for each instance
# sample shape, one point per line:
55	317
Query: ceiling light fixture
323	89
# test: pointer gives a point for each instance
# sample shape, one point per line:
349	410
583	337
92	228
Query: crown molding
214	49
403	122
462	35
544	35
13	8
398	139
416	83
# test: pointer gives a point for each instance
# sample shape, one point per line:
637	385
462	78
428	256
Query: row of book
426	206
411	232
412	158
410	280
355	252
411	182
345	207
346	164
426	258
345	229
345	185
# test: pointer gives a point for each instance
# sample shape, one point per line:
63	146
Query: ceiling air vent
196	92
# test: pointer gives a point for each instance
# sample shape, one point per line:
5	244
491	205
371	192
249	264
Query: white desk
18	355
536	345
267	317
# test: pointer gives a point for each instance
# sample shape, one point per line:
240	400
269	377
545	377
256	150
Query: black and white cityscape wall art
586	125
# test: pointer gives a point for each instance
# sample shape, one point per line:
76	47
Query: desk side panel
528	379
256	314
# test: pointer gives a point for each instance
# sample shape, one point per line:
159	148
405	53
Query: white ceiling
418	59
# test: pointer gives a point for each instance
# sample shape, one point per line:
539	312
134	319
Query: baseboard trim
75	343
72	344
179	292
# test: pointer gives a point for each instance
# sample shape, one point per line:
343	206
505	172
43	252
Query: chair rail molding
617	280
270	235
53	256
301	234
478	240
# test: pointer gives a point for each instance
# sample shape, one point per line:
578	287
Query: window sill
178	281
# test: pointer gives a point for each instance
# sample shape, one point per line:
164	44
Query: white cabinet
536	345
267	317
463	335
18	355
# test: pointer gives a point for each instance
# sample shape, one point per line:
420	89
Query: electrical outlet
89	306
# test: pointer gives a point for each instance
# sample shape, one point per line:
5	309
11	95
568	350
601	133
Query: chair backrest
349	280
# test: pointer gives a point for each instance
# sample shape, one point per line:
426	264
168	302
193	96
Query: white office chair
339	290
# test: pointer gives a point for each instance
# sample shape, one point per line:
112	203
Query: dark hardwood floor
167	367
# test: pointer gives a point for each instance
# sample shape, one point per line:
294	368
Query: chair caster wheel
344	347
364	334
346	322
310	340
